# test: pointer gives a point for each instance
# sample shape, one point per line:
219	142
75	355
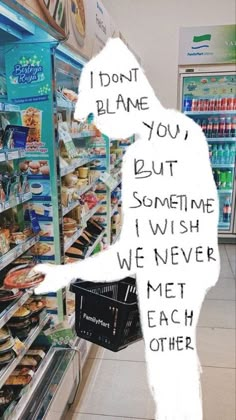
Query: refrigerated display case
209	98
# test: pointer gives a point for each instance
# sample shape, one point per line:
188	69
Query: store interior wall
151	27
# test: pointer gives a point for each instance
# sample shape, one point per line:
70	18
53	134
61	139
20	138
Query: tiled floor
115	385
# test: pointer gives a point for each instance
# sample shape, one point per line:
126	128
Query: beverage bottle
227	210
226	154
210	152
209	128
216	178
230	103
222	180
220	154
222	127
205	104
211	105
215	128
204	127
233	127
229	179
223	104
214	154
194	105
201	104
217	104
228	127
232	154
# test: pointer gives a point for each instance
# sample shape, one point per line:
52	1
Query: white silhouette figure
169	231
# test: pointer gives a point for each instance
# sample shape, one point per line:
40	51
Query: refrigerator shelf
221	139
224	225
11	309
222	165
225	191
6	371
210	113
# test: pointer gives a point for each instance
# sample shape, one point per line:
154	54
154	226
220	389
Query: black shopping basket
107	313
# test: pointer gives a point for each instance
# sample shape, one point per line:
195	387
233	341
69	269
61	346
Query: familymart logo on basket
200	42
96	320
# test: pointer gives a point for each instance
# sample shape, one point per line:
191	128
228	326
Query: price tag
108	180
13	155
2	157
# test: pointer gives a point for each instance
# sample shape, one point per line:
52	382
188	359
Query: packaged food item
20	377
4	243
28	361
6	396
21	332
20	279
35	306
5	347
4	334
18	325
7	358
21	314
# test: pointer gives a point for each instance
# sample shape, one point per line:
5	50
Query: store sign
28	70
207	45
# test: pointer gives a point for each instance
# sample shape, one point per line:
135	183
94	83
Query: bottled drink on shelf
214	158
222	127
226	154
204	127
222	180
209	128
201	104
230	103
215	127
187	104
217	104
195	105
211	104
223	104
229	179
216	176
227	210
228	127
233	127
232	154
205	104
220	155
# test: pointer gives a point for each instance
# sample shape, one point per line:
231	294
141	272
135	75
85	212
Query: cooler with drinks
210	100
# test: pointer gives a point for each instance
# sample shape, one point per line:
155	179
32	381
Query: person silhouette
169	229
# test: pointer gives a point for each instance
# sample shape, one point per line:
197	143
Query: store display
210	102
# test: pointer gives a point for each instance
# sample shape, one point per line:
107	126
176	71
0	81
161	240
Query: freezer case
210	100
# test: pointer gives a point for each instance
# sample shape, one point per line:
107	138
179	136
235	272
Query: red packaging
223	104
194	105
230	104
211	105
205	104
234	99
201	105
217	104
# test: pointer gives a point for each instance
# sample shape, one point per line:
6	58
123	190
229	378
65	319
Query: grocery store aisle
115	386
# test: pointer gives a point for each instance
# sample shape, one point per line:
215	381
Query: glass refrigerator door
210	100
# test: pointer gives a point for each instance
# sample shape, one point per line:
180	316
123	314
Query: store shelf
117	162
13	154
221	139
10	204
225	191
18	250
76	164
90	214
115	208
69	242
98	240
83	134
224	225
116	185
6	372
211	113
79	192
28	390
9	311
222	165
